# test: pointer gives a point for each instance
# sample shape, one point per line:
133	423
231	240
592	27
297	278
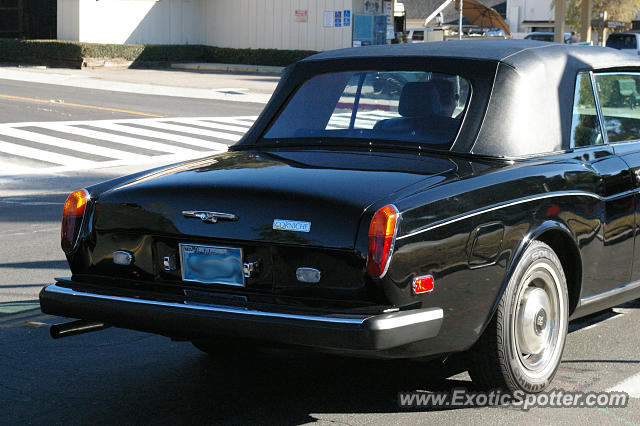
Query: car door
607	263
619	102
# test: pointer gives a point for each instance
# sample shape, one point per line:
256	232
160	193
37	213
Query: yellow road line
25	321
61	102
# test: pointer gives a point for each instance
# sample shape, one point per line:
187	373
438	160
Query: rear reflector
382	234
72	219
423	284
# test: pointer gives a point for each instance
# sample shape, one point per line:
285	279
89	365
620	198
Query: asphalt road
124	377
25	101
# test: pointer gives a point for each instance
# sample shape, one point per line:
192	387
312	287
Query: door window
619	97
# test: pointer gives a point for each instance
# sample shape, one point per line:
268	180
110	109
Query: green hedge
46	52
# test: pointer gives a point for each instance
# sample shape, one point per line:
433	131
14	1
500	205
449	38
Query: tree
618	10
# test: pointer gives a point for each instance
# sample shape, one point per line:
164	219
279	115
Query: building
280	24
525	16
417	10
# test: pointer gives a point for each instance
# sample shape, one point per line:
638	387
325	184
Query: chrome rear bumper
196	320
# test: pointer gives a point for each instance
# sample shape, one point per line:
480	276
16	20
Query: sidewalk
192	81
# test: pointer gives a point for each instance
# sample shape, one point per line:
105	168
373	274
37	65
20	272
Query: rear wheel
522	346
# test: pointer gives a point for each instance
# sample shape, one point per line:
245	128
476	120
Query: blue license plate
212	264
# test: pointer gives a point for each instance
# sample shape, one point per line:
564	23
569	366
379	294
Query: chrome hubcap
532	326
537	318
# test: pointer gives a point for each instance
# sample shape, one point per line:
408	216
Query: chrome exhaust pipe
72	328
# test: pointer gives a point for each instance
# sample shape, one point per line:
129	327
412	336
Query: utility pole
585	21
460	22
558	31
604	16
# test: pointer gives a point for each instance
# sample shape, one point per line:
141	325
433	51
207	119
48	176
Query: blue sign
337	18
346	21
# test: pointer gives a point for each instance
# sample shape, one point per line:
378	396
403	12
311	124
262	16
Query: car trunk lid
297	197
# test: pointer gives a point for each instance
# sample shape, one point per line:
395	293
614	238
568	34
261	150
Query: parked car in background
625	42
473	209
546	36
495	32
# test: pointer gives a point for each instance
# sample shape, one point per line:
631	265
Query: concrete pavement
187	83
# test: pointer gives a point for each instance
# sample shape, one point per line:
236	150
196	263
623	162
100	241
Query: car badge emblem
209	217
291	225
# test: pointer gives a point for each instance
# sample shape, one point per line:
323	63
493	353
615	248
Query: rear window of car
418	35
418	107
622	41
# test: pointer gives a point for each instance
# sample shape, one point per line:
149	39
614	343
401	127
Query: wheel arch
560	238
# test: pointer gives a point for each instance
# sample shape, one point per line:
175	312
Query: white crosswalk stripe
156	134
38	154
68	144
196	131
51	147
126	140
631	386
60	146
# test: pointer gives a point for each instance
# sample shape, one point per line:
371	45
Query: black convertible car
400	201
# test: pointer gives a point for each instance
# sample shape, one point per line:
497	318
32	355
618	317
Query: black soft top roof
522	90
516	53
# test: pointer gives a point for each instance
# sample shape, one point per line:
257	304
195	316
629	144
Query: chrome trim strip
404	318
54	288
374	322
601	296
477	212
621	194
596	100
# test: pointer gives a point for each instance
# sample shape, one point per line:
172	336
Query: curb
105	63
229	67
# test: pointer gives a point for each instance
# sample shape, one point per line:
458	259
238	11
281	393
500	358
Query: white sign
391	34
388	8
301	16
328	18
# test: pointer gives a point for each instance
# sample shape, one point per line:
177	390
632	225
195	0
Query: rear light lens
423	284
382	234
72	216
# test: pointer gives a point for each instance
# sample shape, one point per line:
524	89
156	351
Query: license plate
212	264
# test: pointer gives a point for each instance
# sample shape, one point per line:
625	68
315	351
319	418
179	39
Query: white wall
132	21
271	24
225	23
528	10
68	19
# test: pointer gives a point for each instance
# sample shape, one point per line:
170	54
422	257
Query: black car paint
465	219
470	271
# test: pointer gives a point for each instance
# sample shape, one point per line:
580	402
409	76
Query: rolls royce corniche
478	207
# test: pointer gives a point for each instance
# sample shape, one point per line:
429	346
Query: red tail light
72	218
382	234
